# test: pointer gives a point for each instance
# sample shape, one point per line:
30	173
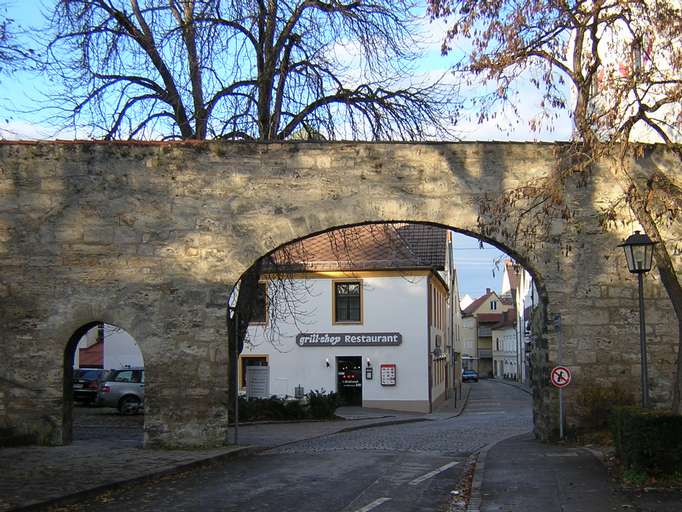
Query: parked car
469	375
86	383
124	389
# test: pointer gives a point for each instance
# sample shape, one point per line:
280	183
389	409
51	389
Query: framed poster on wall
388	375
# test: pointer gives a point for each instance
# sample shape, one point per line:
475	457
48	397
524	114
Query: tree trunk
236	332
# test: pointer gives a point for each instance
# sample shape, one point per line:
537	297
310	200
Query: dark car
469	375
86	383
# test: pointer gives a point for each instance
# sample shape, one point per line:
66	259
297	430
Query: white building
106	346
518	284
505	354
365	315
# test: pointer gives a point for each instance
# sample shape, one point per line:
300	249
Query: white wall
506	355
390	304
120	349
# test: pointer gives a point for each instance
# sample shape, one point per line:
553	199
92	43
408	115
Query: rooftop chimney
487	290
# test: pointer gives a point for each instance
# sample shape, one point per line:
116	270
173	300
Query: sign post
557	375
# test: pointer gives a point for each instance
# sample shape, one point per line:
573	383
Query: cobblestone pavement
93	423
494	412
401	468
107	449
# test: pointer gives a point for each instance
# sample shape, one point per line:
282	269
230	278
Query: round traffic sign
560	376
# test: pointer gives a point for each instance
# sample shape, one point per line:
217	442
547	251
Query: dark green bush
319	406
295	410
647	440
322	405
594	402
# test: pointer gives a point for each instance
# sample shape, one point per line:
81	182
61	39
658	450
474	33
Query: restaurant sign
336	339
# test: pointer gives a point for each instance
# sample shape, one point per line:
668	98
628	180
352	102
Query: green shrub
317	406
647	440
322	405
594	402
295	410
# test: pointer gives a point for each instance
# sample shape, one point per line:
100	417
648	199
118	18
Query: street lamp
639	250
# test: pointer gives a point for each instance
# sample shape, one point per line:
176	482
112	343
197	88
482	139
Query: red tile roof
372	246
471	308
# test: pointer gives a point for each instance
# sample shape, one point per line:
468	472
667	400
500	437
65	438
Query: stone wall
151	237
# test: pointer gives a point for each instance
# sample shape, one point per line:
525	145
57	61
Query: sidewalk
33	475
522	474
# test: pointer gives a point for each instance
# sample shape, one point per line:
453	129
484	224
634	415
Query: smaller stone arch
68	370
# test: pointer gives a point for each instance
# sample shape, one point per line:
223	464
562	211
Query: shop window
260	311
247	361
347	301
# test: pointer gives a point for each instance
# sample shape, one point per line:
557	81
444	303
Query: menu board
388	374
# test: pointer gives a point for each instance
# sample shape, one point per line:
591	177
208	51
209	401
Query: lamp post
639	251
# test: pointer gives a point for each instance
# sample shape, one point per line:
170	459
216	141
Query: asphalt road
408	467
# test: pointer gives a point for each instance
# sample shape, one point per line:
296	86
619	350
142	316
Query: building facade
364	312
479	318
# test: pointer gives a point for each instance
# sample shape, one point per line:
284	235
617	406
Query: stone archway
155	235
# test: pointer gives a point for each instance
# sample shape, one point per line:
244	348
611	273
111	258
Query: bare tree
616	66
9	49
242	69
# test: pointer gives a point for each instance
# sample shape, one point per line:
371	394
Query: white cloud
25	130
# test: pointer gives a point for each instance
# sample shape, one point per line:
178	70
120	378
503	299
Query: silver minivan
124	389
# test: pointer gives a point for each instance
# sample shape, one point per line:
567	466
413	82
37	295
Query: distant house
363	311
479	318
518	286
505	354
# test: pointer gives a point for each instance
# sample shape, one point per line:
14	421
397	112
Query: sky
478	268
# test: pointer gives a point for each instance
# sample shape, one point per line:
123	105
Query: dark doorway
349	379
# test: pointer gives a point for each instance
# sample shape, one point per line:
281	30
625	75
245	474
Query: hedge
647	440
316	405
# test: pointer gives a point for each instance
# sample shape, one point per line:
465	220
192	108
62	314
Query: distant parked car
86	383
124	389
469	375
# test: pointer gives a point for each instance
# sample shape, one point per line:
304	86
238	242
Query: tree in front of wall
616	67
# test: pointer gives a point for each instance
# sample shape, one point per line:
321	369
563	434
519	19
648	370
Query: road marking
372	505
433	473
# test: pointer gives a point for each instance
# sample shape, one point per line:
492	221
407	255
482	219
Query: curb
93	491
465	402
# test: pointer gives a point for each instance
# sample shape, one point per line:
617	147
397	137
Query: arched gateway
151	237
